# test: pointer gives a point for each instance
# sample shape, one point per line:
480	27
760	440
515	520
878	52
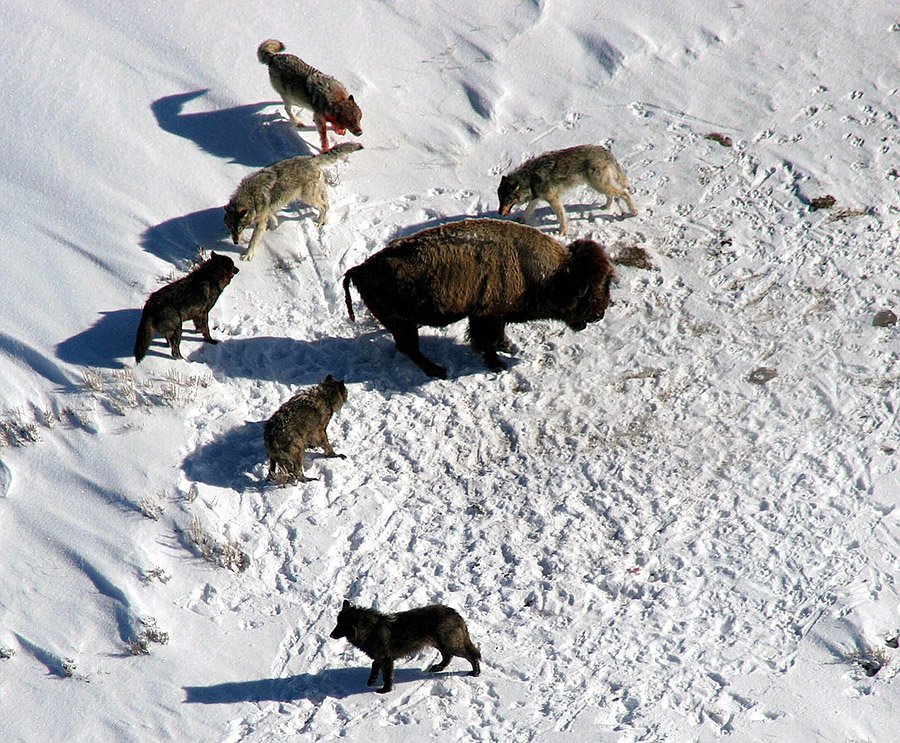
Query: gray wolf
299	425
550	175
492	272
261	194
300	84
388	637
189	298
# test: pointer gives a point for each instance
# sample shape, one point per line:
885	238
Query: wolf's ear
346	604
352	99
329	378
213	254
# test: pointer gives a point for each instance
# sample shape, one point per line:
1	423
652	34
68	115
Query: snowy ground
648	541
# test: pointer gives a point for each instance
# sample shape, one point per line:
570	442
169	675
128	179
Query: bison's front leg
406	336
487	336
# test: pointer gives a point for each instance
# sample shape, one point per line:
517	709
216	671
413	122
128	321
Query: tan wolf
189	298
548	176
300	84
388	637
301	424
261	194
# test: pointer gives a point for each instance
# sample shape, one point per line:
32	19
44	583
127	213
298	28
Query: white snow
646	544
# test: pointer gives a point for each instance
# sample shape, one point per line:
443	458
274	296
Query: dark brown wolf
300	84
492	272
300	424
189	298
388	637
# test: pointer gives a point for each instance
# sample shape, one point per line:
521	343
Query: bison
491	271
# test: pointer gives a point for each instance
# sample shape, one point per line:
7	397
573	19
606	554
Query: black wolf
189	298
387	637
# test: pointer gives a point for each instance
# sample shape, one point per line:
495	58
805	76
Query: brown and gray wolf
299	425
388	637
550	175
492	272
189	298
300	84
261	194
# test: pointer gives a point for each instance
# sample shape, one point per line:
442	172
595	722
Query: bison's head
582	287
512	191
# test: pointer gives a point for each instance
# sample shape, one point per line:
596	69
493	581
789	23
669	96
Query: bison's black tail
144	337
348	277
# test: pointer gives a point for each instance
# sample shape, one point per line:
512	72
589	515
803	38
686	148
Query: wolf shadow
105	343
334	683
241	134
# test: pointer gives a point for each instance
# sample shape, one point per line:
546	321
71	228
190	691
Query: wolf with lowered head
547	177
261	194
301	84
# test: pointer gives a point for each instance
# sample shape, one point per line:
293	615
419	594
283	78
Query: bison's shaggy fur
490	271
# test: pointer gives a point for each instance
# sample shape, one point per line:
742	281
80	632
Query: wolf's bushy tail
268	49
144	337
337	153
348	277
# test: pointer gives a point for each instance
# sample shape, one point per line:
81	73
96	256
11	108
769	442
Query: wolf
300	84
189	298
491	271
387	637
261	194
300	424
548	176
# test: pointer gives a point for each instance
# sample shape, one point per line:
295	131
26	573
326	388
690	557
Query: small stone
822	202
762	375
885	319
722	139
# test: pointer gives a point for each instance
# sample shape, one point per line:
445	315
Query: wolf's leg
557	206
319	121
388	676
373	677
201	323
259	229
290	112
445	661
529	211
326	446
174	339
319	200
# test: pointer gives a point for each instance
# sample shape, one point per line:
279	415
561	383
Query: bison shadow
368	358
105	343
336	683
241	134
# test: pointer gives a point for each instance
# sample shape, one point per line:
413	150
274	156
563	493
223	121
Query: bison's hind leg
406	337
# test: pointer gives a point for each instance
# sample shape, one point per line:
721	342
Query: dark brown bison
491	271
